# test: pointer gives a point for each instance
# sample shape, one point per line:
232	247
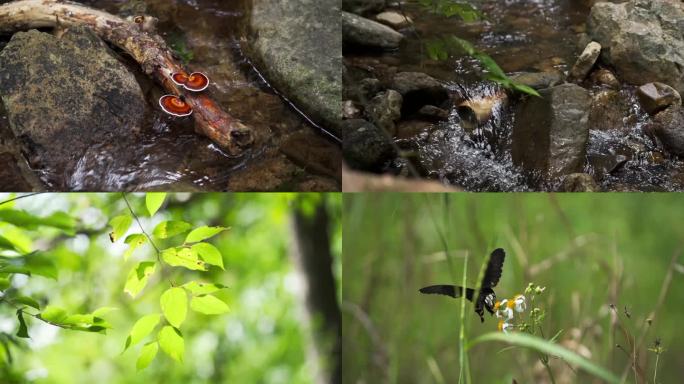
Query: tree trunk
312	254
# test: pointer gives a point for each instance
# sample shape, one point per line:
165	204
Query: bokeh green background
589	250
262	340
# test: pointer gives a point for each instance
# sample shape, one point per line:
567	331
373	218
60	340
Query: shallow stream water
210	34
522	36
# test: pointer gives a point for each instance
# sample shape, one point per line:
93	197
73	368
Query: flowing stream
522	36
210	34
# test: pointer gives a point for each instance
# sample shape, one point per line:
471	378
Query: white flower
520	304
503	310
505	326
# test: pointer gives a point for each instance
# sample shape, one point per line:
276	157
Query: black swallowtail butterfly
486	297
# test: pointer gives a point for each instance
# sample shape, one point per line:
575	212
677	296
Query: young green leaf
174	305
34	263
171	342
147	354
120	225
6	244
183	257
103	310
209	305
24	219
209	253
167	229
197	288
153	201
134	241
4	283
204	232
23	330
27	301
137	278
53	314
143	327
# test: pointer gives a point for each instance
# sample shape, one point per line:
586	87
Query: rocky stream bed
609	118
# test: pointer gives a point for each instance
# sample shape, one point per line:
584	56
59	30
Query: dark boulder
65	95
551	132
366	146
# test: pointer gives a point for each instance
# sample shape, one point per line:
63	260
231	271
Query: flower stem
655	372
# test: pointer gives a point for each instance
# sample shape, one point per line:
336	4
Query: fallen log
136	38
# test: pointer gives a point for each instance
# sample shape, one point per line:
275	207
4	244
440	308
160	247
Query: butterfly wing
448	290
494	269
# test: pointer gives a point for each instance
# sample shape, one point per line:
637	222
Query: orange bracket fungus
196	81
174	105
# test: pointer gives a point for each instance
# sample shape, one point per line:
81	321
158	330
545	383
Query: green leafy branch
17	257
440	48
192	254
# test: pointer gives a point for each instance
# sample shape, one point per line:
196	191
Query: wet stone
385	110
642	39
605	77
357	30
419	89
586	61
608	111
393	19
538	80
64	95
668	127
551	132
655	97
579	182
366	146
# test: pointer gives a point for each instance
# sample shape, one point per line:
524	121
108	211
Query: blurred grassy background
589	250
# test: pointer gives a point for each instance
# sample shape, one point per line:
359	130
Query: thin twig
149	238
20	197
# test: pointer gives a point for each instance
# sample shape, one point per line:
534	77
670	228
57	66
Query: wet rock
579	182
366	146
312	151
362	7
64	95
419	89
349	110
551	132
608	111
412	128
384	110
655	97
296	44
272	174
11	175
357	30
668	126
363	90
393	19
605	77
586	61
538	80
432	113
641	39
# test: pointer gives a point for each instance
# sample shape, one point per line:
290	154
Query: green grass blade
461	334
541	345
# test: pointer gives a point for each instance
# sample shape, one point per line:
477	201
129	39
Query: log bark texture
146	47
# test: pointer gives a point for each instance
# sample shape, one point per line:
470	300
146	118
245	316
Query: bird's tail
448	290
